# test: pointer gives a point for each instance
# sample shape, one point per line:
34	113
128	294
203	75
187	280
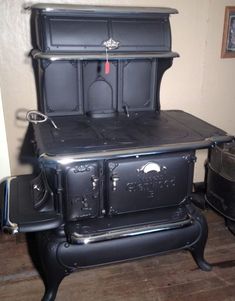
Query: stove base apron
59	257
138	206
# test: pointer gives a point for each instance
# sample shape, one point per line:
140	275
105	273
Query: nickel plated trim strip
36	54
47	7
8	225
135	152
128	232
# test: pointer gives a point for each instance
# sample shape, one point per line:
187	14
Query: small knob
114	179
84	202
35	187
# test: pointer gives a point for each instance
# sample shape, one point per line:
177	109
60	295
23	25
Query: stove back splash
73	87
100	64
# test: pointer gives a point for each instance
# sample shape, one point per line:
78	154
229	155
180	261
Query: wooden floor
170	277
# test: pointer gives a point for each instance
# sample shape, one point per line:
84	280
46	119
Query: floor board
171	277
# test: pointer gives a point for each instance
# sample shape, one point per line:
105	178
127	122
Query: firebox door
83	192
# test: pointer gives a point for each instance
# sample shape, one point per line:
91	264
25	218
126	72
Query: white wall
4	158
199	82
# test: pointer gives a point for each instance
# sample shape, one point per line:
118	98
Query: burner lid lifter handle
38	117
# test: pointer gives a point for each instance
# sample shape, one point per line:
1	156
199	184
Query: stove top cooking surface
144	129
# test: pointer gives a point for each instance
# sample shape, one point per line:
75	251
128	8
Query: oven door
148	182
26	205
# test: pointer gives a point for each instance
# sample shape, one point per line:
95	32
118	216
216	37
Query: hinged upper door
71	34
142	35
149	182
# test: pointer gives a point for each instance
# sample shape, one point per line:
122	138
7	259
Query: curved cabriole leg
52	281
197	250
51	270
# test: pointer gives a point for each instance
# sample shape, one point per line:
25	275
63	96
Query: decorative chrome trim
36	54
131	152
150	166
101	9
8	225
128	232
111	44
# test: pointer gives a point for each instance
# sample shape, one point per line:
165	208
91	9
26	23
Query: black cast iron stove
115	172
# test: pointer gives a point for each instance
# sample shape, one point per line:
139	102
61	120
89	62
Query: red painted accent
107	67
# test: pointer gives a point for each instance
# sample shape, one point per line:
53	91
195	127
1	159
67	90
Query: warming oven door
149	182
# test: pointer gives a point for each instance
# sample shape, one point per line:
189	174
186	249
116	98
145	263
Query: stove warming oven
115	172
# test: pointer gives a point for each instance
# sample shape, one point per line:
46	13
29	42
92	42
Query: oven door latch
114	179
95	181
